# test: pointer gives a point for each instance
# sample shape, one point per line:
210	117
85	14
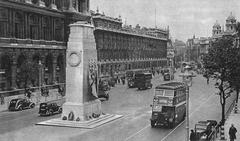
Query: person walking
192	136
232	133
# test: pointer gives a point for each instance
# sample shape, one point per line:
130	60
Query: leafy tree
235	75
28	73
220	63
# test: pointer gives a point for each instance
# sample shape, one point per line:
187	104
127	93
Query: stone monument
82	107
81	73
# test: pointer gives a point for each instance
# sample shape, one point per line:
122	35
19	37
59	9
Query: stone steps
103	119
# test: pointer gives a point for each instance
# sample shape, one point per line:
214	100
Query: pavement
233	118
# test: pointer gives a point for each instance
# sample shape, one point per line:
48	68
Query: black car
19	104
103	94
47	109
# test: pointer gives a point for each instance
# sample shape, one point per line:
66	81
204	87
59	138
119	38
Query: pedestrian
207	80
123	80
192	136
232	133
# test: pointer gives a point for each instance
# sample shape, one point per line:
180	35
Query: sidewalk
233	118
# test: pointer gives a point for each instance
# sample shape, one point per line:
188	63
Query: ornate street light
187	80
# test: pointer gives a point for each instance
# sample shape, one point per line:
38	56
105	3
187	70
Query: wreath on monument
71	61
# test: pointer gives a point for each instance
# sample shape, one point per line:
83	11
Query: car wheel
153	123
20	108
60	110
32	106
51	112
47	112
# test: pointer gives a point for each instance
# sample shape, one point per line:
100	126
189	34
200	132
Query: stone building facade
36	31
123	47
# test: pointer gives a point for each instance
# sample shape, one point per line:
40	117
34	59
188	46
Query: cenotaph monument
82	107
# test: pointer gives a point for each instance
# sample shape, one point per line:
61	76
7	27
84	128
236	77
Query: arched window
19	25
34	23
3	22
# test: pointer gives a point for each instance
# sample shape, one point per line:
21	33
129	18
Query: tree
220	63
235	75
28	73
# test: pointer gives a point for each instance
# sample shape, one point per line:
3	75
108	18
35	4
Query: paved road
134	126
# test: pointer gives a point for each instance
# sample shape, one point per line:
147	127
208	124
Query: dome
230	17
216	24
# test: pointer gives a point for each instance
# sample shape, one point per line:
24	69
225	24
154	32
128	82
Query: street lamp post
40	79
187	80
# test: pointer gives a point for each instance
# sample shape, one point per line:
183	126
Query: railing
33	89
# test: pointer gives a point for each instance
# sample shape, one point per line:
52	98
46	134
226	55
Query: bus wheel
153	123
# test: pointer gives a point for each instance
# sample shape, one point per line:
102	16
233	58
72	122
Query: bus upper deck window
159	92
169	93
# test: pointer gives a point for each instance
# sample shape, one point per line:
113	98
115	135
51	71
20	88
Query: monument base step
88	124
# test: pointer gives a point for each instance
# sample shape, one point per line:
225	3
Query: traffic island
87	124
82	107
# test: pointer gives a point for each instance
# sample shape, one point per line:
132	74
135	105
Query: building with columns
123	47
36	31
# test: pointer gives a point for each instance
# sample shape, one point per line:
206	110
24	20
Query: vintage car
19	104
47	109
103	89
203	129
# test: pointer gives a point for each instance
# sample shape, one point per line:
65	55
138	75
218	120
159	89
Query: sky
185	18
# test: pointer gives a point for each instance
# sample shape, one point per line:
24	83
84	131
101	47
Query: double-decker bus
143	80
130	74
169	104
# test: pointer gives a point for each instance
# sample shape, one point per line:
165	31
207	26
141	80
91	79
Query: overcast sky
184	17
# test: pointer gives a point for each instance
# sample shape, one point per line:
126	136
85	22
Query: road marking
137	132
172	131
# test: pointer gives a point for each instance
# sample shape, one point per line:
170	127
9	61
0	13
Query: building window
19	28
3	22
46	28
59	30
34	23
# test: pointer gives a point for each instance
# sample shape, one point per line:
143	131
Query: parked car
47	109
203	129
103	94
20	104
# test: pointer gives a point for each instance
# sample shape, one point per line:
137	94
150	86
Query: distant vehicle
183	65
143	80
130	75
20	104
103	89
203	129
169	104
168	74
47	109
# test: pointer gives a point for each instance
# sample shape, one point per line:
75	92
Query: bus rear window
167	109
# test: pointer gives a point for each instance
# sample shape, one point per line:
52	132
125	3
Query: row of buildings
196	47
36	31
